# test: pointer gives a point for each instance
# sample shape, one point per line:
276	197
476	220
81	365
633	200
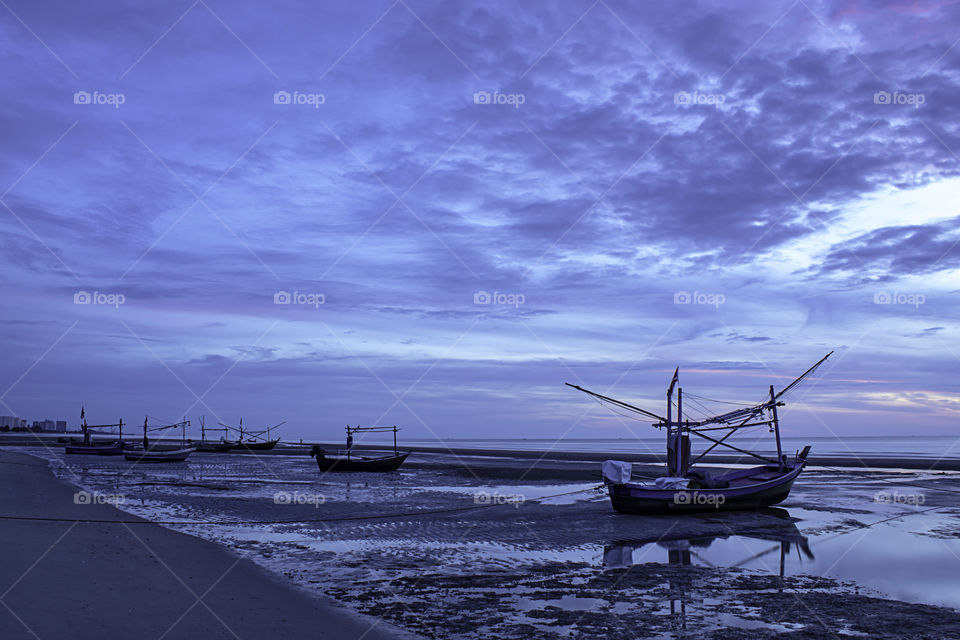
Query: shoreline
110	580
866	461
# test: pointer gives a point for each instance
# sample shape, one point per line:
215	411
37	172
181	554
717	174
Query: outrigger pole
742	418
619	403
394	429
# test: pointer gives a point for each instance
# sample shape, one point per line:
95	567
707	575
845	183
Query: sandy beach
73	579
476	547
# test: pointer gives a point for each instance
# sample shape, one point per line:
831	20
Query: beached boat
160	453
255	441
684	489
257	445
351	462
357	463
87	446
213	446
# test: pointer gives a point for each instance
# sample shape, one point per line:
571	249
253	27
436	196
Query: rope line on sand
256	522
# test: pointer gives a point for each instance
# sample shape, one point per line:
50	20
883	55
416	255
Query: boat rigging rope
623	415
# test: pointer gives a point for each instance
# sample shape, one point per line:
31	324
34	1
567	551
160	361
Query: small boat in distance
213	446
88	447
350	462
160	453
255	441
686	490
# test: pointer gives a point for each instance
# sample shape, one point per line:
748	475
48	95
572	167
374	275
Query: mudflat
67	577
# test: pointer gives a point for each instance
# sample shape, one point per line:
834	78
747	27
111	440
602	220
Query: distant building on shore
12	422
44	425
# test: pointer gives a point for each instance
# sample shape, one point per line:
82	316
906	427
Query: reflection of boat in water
350	462
682	552
686	490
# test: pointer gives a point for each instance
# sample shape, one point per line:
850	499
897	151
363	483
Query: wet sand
70	579
429	549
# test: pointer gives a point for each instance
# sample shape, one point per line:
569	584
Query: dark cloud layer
641	152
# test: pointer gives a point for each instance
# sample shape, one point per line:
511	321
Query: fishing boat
160	453
87	446
350	462
687	489
213	446
256	440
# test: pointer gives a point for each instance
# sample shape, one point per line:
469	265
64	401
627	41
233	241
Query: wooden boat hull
641	499
212	446
336	465
153	455
257	446
104	449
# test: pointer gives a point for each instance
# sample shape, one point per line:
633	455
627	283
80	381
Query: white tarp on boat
671	483
616	472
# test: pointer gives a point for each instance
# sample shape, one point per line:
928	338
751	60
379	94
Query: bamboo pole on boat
619	403
776	428
673	381
730	446
678	442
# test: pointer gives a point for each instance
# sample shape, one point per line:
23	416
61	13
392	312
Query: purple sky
791	166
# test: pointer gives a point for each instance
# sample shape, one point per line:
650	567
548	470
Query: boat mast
145	443
776	428
673	382
394	439
678	443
